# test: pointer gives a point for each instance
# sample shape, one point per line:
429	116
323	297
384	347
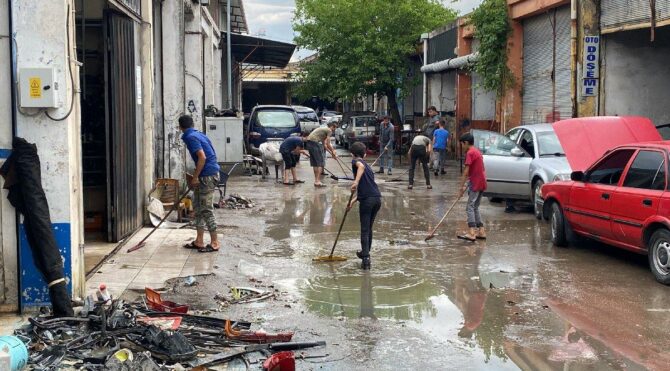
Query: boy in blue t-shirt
440	141
369	197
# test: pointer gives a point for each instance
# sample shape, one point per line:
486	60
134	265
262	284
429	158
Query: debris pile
236	201
112	334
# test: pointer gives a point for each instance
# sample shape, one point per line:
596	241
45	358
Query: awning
450	64
255	50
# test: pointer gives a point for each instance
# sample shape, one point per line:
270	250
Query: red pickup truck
618	192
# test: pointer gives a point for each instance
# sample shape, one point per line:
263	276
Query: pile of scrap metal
115	335
236	201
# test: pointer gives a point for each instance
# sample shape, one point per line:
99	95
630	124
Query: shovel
174	207
432	234
331	258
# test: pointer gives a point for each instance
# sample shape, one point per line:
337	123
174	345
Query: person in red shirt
474	182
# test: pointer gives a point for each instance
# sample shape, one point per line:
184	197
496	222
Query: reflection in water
512	302
367	300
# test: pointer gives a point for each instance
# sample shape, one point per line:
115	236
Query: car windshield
362	122
549	145
276	119
308	116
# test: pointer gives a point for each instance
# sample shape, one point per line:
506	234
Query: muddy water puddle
512	301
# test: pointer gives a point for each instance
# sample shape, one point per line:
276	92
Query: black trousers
368	209
419	153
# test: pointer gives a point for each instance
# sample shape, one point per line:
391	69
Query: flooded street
510	302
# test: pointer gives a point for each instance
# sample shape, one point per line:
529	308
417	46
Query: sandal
208	248
481	237
410	186
467	237
430	186
320	185
288	183
193	246
298	181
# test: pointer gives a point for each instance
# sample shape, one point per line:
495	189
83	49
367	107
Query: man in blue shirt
204	181
440	141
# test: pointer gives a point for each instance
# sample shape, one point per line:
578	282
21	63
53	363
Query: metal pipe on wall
13	79
229	69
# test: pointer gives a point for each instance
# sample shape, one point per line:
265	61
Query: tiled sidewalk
162	258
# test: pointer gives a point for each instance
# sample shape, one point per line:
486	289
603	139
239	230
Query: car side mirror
577	176
517	152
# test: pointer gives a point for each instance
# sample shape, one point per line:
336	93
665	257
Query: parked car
618	190
325	116
308	119
360	126
336	118
267	122
521	161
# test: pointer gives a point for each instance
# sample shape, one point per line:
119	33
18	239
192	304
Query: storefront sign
591	66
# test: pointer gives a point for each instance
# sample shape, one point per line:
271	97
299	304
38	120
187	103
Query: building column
147	67
588	24
511	103
173	85
41	40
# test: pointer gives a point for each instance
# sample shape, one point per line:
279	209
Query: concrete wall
442	90
148	160
636	74
9	299
40	29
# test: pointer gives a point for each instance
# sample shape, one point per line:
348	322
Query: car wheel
558	233
659	255
537	200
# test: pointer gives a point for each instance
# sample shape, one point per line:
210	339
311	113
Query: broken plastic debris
250	269
190	281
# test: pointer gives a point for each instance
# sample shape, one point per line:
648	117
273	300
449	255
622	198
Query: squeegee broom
331	257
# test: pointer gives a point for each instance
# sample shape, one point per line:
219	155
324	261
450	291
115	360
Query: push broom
174	207
331	257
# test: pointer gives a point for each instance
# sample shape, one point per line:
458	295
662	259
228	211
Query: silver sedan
521	161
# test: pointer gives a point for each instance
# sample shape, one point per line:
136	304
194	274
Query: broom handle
339	162
174	207
445	216
380	156
332	251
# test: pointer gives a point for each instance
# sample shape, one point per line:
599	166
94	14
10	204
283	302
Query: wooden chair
167	191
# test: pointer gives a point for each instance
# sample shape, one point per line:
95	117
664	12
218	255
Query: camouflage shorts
204	203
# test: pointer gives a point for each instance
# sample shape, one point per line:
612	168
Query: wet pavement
511	302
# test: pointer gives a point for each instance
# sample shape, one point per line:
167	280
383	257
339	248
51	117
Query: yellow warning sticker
35	87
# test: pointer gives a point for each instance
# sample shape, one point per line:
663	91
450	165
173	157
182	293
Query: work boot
365	263
381	170
359	254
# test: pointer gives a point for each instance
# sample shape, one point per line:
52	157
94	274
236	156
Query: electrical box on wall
37	87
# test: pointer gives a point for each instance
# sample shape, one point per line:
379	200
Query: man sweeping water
367	193
203	182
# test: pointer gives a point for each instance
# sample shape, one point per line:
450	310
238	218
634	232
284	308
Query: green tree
492	28
363	45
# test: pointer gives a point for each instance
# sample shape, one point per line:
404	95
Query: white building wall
442	90
40	34
193	58
8	252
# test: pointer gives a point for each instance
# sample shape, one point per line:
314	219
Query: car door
639	196
507	165
591	200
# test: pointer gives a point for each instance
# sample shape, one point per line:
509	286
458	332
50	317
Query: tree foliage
362	45
492	29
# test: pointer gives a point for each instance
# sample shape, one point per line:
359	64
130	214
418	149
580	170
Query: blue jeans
386	158
368	209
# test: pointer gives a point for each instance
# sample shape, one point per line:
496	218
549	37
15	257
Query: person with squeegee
367	193
204	180
316	157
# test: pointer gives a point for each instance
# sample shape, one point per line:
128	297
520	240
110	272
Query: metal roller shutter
546	67
122	194
630	13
